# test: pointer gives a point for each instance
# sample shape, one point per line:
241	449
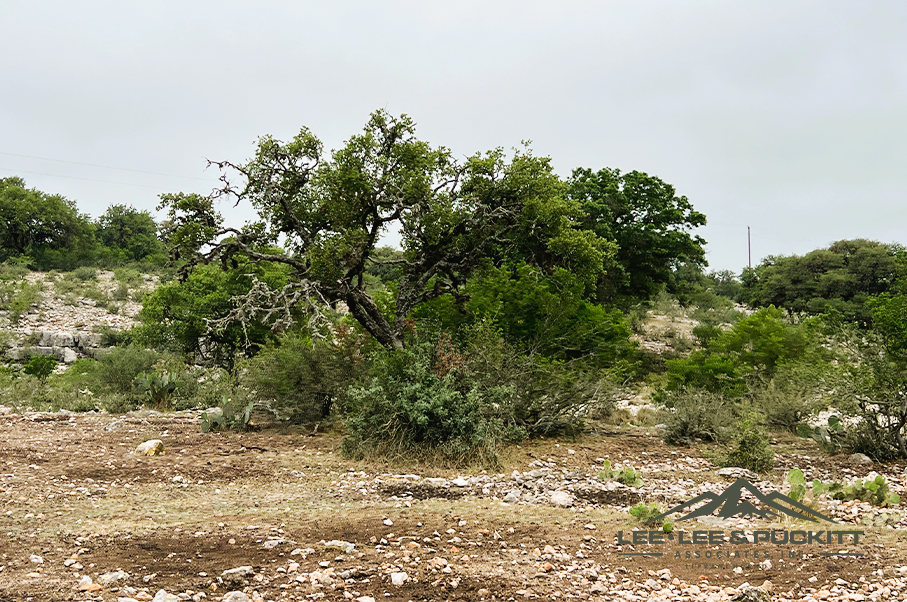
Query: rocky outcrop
65	346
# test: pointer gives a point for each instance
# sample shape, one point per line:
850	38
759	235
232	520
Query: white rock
237	575
344	546
236	597
36	559
564	499
388	522
163	596
69	356
112	576
459	482
512	496
153	447
365	599
399	578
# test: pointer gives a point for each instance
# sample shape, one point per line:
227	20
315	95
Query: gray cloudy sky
787	116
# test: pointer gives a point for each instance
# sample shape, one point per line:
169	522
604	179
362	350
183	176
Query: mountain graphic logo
729	504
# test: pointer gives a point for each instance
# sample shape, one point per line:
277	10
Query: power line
53	175
155	173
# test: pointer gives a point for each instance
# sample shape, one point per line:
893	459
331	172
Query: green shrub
121	293
119	403
301	378
830	438
17	298
625	475
129	277
696	414
644	513
40	366
111	337
229	415
421	403
798	489
118	368
85	273
750	448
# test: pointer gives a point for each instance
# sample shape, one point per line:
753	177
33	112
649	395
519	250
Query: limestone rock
112	577
399	578
563	499
69	356
239	575
737	473
236	597
860	459
153	447
163	596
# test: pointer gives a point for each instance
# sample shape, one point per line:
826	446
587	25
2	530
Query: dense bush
753	348
421	403
301	378
750	448
697	414
543	313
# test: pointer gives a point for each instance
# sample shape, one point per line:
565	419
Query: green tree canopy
649	223
329	212
41	226
129	233
176	315
840	278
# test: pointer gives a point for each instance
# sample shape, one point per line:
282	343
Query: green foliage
696	414
422	401
840	278
301	378
129	234
875	491
829	438
118	369
85	274
644	513
158	387
40	366
48	229
625	475
750	448
118	403
706	370
230	415
175	316
756	346
544	313
454	218
649	224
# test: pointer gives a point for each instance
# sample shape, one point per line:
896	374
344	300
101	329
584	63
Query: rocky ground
279	515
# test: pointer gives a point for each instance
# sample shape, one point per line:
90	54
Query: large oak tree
329	210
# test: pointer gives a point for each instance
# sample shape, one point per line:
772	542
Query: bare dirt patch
73	496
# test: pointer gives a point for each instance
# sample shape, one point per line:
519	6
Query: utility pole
749	249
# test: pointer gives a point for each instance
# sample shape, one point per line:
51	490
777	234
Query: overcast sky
789	117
